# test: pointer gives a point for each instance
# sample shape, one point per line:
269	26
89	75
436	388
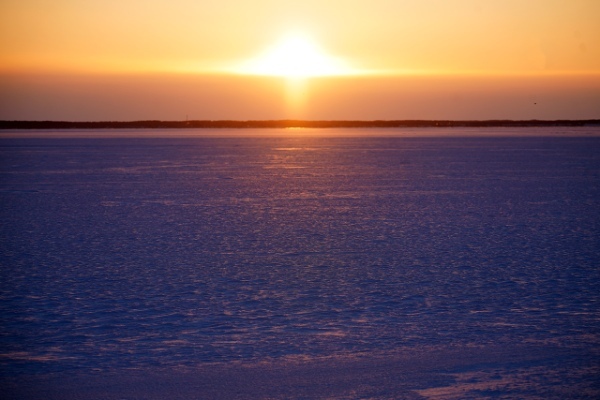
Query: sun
295	56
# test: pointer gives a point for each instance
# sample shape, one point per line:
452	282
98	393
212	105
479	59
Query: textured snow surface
158	252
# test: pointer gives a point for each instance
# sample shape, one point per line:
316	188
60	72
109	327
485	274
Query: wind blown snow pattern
134	252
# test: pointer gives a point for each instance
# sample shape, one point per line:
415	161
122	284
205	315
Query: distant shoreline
236	124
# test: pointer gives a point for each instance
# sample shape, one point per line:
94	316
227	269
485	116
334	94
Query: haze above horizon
266	59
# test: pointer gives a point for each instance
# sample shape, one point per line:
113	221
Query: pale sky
159	59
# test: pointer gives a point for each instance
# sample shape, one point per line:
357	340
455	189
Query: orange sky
158	59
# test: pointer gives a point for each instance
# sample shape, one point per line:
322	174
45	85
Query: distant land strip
287	123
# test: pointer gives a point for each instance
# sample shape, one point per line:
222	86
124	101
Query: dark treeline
286	124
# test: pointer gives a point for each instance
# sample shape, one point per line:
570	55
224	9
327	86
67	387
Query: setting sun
299	198
312	59
295	56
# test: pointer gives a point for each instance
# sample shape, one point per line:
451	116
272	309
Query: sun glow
295	56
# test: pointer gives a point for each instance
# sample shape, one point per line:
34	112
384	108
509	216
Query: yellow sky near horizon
385	36
205	59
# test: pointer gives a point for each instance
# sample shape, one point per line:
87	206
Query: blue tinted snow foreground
170	252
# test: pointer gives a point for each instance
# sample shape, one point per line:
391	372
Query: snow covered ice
135	252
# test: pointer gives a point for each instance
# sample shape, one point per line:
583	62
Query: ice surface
134	252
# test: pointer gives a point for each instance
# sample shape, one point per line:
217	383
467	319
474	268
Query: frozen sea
134	250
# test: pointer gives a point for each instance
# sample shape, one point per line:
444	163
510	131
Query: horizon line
287	123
